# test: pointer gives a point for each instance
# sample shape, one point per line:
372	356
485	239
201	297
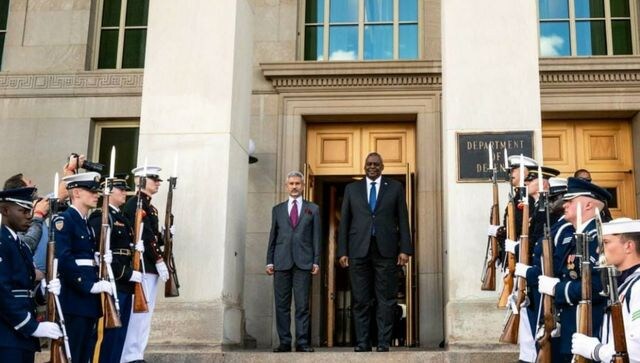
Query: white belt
85	262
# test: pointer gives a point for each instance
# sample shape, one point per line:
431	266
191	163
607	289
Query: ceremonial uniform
110	342
75	248
17	306
569	290
140	323
629	292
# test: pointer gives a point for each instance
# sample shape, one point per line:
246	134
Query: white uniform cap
621	225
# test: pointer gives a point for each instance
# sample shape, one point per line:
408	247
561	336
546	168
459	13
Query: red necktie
294	214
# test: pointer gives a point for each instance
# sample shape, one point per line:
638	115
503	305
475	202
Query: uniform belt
23	293
121	252
85	262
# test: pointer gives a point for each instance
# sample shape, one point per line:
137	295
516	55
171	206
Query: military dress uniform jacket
568	292
121	245
75	248
629	293
17	307
150	235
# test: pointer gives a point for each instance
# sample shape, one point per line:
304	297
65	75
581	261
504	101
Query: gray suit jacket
299	245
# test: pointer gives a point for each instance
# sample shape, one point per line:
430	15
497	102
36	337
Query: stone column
196	106
490	83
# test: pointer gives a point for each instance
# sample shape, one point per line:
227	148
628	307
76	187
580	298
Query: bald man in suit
374	239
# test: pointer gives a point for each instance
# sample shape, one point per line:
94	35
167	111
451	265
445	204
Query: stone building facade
218	73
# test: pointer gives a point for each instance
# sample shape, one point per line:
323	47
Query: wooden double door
603	147
335	156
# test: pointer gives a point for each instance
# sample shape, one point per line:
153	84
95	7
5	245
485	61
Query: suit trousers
373	277
283	282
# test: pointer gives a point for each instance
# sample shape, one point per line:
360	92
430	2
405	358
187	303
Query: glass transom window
123	33
343	30
585	27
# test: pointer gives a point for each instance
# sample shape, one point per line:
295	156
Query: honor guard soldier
75	250
500	231
556	188
111	341
622	250
19	328
582	200
154	266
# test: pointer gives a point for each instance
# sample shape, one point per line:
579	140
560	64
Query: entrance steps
488	354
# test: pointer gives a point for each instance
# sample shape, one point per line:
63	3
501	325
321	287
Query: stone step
500	354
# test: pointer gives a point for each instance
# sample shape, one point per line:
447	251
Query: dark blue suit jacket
17	314
74	240
299	245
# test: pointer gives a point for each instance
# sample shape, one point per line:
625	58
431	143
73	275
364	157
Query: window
585	27
124	136
4	14
123	33
361	29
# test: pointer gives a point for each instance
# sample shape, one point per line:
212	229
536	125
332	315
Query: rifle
140	304
510	331
511	258
172	284
584	323
489	272
549	328
110	304
610	290
59	348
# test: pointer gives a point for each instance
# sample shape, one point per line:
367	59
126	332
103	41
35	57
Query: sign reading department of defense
473	153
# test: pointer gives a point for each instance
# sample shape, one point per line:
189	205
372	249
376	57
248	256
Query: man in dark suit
293	256
374	237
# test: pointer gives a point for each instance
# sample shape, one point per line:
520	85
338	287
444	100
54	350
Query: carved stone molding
96	83
587	72
300	76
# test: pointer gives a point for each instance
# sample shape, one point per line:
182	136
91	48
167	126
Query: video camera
86	164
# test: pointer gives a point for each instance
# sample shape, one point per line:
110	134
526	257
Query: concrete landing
498	354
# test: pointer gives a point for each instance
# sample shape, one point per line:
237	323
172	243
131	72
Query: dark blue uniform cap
579	187
23	197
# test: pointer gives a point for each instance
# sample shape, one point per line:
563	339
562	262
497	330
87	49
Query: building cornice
297	76
87	83
607	72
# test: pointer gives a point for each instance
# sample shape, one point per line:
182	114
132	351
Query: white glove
510	245
54	286
140	246
547	285
96	258
172	229
101	286
493	230
47	329
521	269
108	257
136	276
583	345
163	272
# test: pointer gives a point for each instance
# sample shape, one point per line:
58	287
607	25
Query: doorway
335	158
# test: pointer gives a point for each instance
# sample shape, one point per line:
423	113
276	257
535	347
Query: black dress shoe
361	348
281	349
382	349
304	348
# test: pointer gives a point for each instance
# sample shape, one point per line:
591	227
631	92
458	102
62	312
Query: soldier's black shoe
361	348
304	348
382	349
282	349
